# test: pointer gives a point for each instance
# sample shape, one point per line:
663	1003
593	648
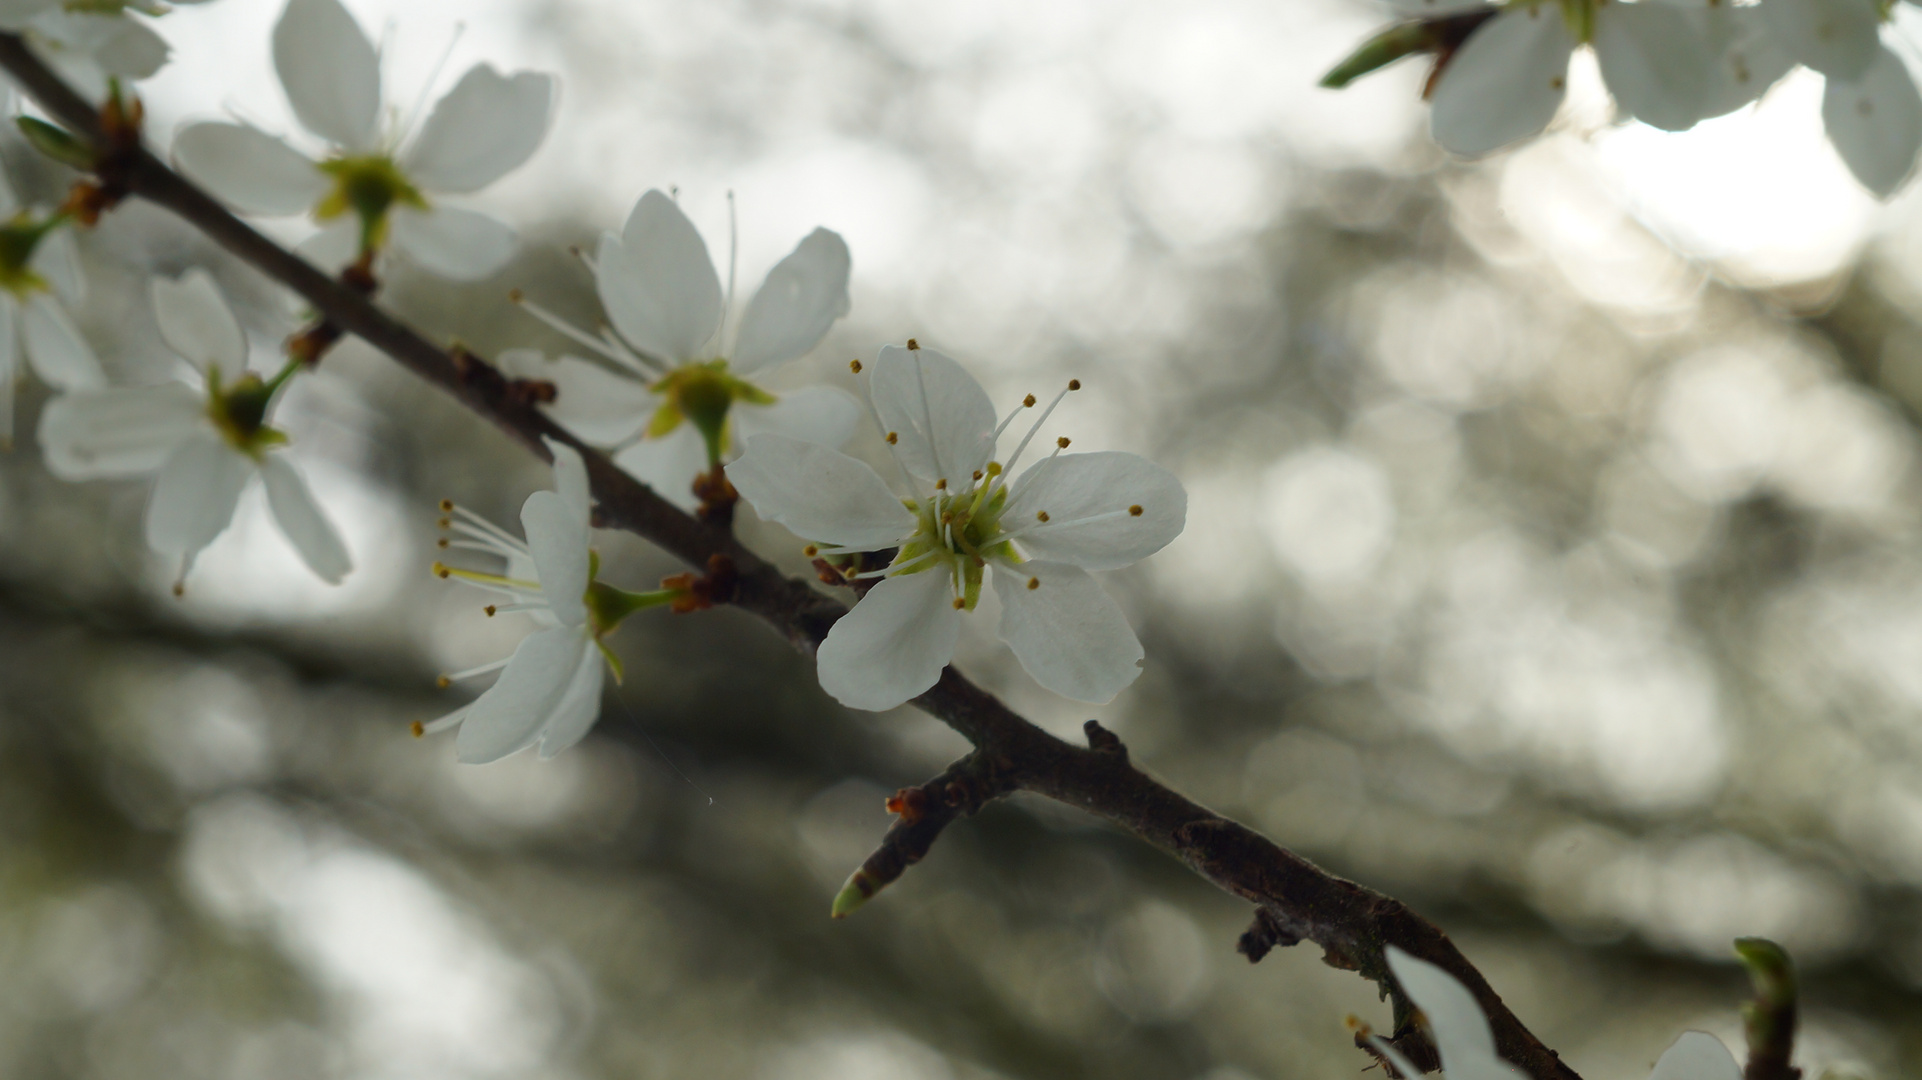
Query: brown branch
1295	899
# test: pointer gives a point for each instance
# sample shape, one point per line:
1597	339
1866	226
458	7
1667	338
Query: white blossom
39	272
1460	1032
1065	516
202	444
374	183
1508	79
549	690
89	42
669	393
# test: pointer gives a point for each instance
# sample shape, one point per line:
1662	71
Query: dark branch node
1264	935
1103	741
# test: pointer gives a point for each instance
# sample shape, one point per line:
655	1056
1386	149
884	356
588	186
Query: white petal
657	282
1455	1020
1697	1055
131	50
459	245
9	367
302	521
55	349
196	323
329	70
818	414
57	258
333	247
1751	59
1876	123
557	539
668	464
15	14
123	431
579	707
512	712
1066	630
570	481
194	495
800	299
592	402
819	493
1838	38
913	388
1505	82
485	127
894	643
1071	488
249	169
1651	55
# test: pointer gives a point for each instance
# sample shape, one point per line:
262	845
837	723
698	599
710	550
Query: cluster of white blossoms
1067	514
670	386
1461	1035
377	180
1501	69
669	397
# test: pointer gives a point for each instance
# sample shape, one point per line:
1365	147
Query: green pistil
963	543
1580	15
370	186
702	394
239	409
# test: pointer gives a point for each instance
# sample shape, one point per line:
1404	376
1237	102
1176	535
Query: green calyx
701	394
368	185
608	606
1402	39
57	143
963	533
18	240
239	409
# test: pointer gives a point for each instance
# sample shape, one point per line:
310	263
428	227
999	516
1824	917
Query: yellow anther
417	728
447	506
441	543
854	366
445	523
1135	510
490	609
515	296
959	603
913	344
941	484
893	437
1028	402
1074	384
441	570
810	551
180	590
443	681
1062	442
1041	515
994	468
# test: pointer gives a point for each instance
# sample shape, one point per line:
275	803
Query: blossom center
369	185
239	410
702	393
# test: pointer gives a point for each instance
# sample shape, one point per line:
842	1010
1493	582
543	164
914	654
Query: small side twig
920	815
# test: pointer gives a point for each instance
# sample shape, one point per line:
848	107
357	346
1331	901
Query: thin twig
1296	900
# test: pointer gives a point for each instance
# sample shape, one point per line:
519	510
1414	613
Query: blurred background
1553	564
